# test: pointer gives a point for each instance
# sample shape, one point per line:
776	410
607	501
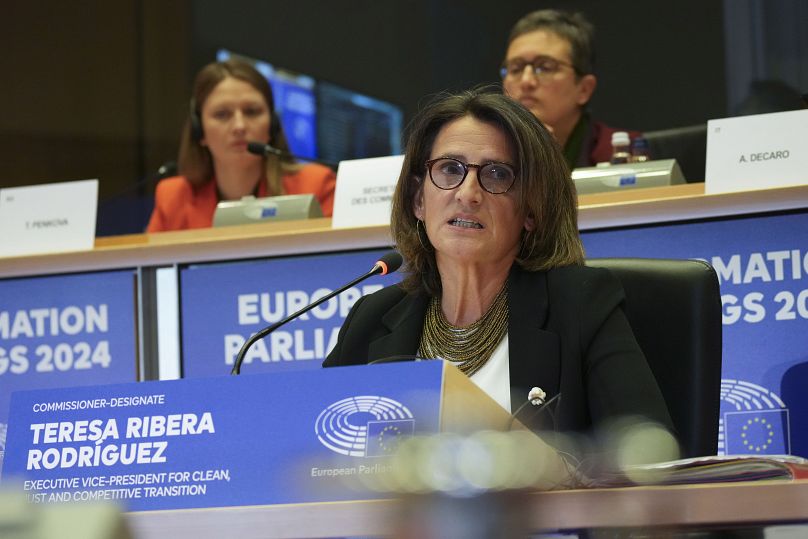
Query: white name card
364	191
50	218
757	152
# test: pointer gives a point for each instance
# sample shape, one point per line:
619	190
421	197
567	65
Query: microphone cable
167	169
540	407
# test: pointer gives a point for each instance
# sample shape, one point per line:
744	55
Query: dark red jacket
597	146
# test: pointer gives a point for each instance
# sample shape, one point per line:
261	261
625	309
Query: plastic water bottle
621	151
640	151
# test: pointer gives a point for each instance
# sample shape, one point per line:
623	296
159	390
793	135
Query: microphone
388	263
260	148
538	398
169	168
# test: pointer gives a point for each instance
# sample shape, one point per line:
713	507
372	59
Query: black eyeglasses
447	173
541	67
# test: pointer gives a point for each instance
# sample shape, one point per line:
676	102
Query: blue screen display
353	126
329	122
294	103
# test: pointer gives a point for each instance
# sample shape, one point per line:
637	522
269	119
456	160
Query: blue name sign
762	266
65	330
287	437
223	304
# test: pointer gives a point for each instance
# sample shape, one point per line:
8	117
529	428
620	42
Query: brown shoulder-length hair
544	188
195	161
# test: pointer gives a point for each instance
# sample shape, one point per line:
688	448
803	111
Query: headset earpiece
274	127
197	133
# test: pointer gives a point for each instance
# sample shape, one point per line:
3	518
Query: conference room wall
100	89
92	89
660	64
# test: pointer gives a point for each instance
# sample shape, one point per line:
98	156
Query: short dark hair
544	187
573	27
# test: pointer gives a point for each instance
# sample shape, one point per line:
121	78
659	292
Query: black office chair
688	145
674	308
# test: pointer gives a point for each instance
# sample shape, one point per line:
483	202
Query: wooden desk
159	343
651	205
737	504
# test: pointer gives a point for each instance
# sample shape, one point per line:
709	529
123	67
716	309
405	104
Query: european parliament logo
754	420
364	426
384	436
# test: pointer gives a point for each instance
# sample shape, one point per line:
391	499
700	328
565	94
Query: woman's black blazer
566	333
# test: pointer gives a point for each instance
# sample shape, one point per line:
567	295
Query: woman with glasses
549	68
485	217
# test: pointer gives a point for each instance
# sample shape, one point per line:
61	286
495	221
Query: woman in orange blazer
232	105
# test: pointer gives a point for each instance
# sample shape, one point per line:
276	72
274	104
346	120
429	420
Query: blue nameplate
65	330
254	439
219	313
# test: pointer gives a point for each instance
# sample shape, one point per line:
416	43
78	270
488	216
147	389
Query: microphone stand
383	266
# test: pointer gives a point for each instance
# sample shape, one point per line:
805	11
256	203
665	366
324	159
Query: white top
495	376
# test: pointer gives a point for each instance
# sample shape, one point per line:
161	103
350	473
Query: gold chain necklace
468	347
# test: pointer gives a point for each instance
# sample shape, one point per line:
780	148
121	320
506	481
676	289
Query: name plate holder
51	218
627	176
364	192
250	209
757	152
255	439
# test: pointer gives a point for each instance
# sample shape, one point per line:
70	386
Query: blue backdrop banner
66	330
223	304
286	437
762	265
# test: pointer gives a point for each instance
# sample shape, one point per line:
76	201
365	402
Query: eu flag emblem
762	432
384	436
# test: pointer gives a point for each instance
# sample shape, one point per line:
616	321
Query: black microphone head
258	148
169	168
389	263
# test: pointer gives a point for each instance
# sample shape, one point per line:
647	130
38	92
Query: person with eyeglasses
549	68
484	214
